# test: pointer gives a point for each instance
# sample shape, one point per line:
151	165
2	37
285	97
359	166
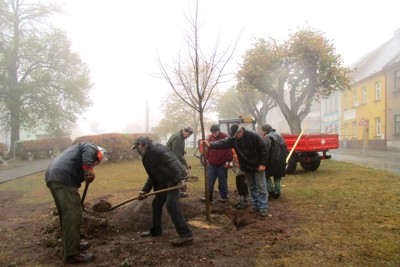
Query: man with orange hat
64	177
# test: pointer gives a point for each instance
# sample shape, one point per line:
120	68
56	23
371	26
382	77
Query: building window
377	91
355	101
354	129
346	131
396	88
364	95
378	126
345	102
397	124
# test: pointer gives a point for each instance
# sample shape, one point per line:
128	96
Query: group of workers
166	167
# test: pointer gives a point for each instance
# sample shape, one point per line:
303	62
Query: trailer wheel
292	164
311	165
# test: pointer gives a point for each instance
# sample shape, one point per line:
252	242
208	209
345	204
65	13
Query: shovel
84	193
145	195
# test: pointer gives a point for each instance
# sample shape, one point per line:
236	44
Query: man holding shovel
64	177
164	170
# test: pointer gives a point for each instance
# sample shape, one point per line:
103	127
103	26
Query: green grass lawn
346	213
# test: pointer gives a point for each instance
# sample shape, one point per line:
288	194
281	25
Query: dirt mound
137	216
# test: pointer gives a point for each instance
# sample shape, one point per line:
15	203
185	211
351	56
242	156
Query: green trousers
68	203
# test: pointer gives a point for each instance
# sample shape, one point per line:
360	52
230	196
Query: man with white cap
64	177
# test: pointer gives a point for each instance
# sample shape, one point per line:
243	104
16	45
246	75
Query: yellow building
364	108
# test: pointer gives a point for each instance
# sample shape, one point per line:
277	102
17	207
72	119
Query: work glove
188	167
182	186
89	175
142	195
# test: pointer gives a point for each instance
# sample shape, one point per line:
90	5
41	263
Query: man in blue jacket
252	156
64	177
164	170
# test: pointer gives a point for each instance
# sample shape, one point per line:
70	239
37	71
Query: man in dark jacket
252	156
218	164
277	152
64	176
176	143
164	170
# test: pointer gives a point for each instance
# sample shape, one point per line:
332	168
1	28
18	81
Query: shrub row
117	145
43	148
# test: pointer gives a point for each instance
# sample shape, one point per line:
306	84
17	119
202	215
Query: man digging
164	171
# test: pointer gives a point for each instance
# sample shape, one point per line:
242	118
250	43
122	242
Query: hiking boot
180	241
84	245
183	195
203	199
148	234
241	206
223	200
263	213
80	258
254	210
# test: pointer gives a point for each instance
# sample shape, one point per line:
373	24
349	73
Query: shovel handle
146	195
84	193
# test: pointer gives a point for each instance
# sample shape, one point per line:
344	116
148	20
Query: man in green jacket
176	143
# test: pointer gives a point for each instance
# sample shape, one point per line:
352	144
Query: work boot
203	199
263	213
84	245
148	234
180	241
80	258
242	204
183	195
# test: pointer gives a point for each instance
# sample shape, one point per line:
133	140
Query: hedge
117	145
43	148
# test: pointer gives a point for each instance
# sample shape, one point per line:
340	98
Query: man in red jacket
218	164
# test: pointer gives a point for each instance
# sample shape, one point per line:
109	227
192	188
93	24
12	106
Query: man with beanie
277	152
218	164
252	156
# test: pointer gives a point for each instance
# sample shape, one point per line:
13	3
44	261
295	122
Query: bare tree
196	76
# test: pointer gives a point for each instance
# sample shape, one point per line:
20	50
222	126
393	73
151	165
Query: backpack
277	155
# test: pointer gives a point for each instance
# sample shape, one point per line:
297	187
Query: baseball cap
189	129
233	130
140	140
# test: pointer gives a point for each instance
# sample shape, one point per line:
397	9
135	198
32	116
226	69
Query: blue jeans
258	189
171	199
221	173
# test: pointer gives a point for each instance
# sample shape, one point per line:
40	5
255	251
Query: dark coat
67	168
176	143
276	155
163	168
250	149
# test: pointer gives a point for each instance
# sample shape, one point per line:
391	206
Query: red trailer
310	150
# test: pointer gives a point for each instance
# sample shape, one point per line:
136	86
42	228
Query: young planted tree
43	84
304	68
195	77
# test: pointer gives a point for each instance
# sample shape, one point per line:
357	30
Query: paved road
382	160
22	168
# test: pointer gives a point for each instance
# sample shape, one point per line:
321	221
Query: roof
379	58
